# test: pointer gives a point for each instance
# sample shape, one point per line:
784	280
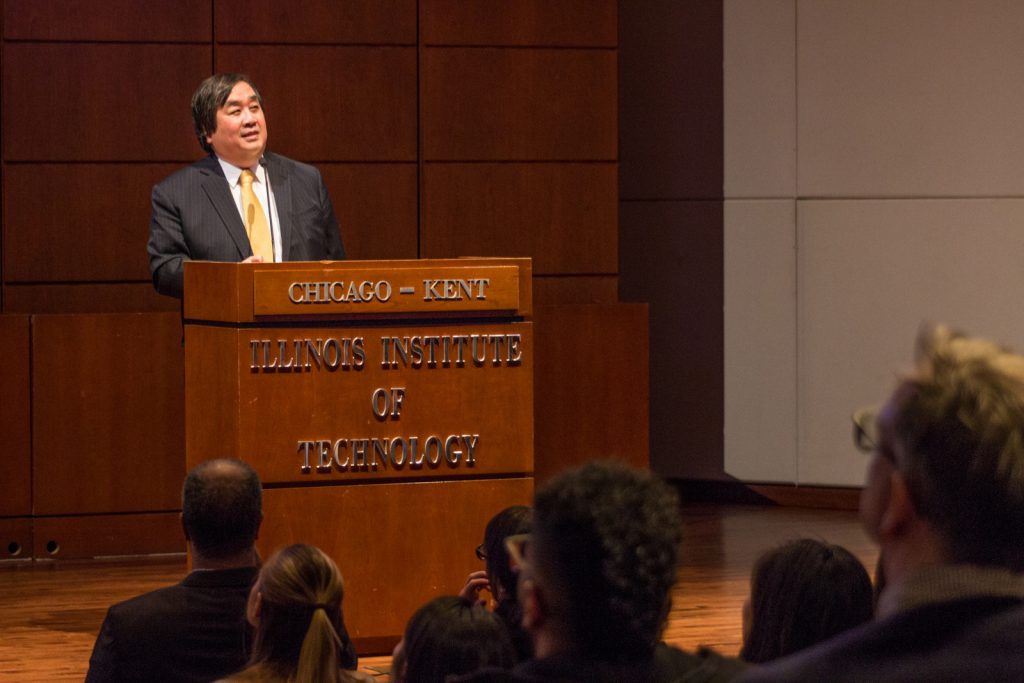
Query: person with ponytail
295	608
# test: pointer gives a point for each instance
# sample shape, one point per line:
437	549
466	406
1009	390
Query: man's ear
184	529
899	509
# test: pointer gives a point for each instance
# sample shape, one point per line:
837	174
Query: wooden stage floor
50	611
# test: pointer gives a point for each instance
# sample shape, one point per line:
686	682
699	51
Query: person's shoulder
867	652
154	596
161	602
155	605
962	640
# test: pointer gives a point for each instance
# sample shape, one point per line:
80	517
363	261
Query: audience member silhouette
944	499
499	577
449	636
802	593
195	630
295	607
595	580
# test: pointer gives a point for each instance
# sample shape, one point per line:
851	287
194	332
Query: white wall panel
760	340
760	98
916	98
908	188
870	272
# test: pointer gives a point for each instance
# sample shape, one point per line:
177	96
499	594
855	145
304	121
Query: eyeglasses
516	546
480	553
865	429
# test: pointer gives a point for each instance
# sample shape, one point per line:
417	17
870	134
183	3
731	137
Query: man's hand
476	582
253	259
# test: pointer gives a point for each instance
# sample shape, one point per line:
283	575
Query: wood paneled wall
15	416
442	128
671	218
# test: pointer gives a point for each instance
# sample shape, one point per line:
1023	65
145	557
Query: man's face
874	498
241	133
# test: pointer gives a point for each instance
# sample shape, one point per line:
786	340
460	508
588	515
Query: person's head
802	593
449	636
600	563
949	457
295	606
227	114
221	511
508	522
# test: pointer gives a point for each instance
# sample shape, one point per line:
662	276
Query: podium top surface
357	290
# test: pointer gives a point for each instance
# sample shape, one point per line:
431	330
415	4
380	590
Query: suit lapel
215	185
280	182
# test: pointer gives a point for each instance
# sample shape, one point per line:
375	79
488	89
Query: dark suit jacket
669	665
195	218
192	631
972	639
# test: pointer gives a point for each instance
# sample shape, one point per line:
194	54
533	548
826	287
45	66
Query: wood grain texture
53	610
119	297
153	21
367	22
92	225
210	434
56	113
587	23
670	107
422	538
576	289
15	418
60	605
264	417
377	207
438	291
328	103
97	536
682	280
564	216
591	386
224	292
833	497
107	413
512	104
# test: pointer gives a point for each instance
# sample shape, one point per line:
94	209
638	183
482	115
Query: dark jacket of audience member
450	636
194	631
802	593
295	607
668	665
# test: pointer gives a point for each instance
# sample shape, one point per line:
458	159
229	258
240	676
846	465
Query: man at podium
241	202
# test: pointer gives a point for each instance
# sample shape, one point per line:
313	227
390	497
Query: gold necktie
255	220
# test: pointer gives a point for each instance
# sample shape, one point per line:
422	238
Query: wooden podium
387	406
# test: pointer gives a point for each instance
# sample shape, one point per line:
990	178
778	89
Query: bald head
221	508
